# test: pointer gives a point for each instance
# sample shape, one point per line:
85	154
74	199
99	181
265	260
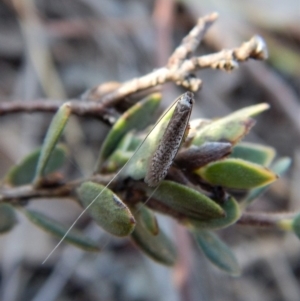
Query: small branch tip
261	48
214	16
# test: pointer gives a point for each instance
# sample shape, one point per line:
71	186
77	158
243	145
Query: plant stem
263	220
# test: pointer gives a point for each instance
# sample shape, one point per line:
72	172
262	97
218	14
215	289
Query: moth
172	138
164	154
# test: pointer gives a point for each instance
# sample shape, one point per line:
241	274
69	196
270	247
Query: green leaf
217	252
148	219
279	167
186	200
236	173
53	134
296	225
250	111
125	142
116	161
158	247
107	210
131	141
23	173
137	117
135	141
231	128
58	230
283	56
256	153
122	153
137	168
8	217
232	214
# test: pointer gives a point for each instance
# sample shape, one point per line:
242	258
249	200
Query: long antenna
81	214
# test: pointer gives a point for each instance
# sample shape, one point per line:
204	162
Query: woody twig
180	69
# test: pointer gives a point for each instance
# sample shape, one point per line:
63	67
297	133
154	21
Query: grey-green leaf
232	214
107	210
236	173
279	167
296	225
54	132
137	117
74	237
186	200
253	152
23	173
8	217
158	247
148	219
250	111
231	128
217	252
116	161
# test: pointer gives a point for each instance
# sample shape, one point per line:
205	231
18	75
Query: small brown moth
168	147
164	155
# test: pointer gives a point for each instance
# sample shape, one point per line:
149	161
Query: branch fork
180	69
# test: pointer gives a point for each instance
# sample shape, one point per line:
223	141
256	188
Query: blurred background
58	49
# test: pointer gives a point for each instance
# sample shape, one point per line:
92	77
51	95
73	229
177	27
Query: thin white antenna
92	202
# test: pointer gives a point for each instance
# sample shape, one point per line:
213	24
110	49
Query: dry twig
16	194
180	69
79	108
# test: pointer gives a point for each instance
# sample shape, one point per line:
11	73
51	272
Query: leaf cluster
202	190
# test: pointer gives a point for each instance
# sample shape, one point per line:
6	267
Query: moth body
168	147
